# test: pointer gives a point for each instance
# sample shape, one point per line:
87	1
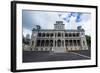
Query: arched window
51	43
51	35
77	34
66	34
66	42
43	34
59	34
47	34
70	35
39	34
73	34
42	43
47	43
74	41
38	43
78	42
70	41
59	43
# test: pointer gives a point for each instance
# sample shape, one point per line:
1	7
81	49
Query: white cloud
72	24
47	20
87	27
26	31
85	23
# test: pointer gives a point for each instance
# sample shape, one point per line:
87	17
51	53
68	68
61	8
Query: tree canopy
88	39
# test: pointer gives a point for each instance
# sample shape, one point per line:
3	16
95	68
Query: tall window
51	35
78	41
51	43
38	43
43	34
74	42
70	35
66	34
47	34
59	34
47	43
73	34
70	41
77	34
59	43
39	34
66	42
42	43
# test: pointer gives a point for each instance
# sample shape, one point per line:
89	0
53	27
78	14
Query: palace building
58	39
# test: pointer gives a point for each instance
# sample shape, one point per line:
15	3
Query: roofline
58	24
56	30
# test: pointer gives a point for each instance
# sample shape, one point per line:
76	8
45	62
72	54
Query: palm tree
88	39
38	27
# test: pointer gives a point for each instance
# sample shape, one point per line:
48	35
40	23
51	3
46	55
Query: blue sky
47	19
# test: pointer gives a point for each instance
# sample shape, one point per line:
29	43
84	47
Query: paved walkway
46	56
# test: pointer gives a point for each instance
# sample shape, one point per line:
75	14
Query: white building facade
58	39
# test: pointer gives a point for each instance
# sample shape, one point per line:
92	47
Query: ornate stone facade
59	39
